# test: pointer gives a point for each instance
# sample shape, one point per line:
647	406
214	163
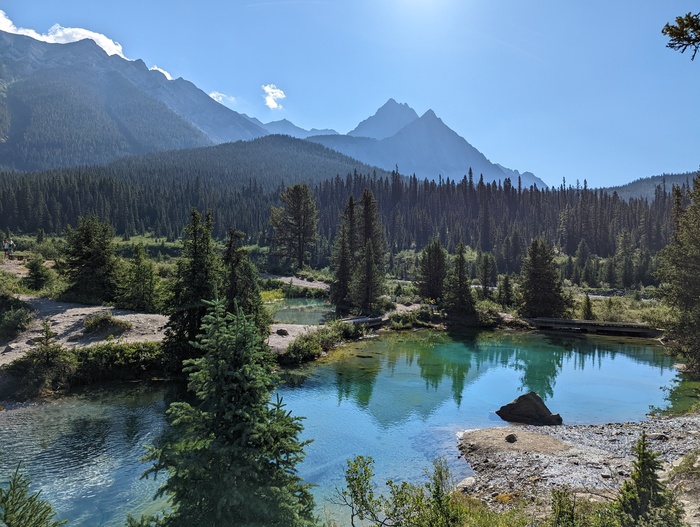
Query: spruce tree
486	273
368	276
197	280
241	284
587	308
342	265
644	499
19	508
505	292
231	457
680	271
432	269
139	286
90	261
541	287
459	302
294	224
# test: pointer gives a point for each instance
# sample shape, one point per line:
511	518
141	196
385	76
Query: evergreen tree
432	270
486	274
459	302
231	458
19	508
197	280
680	272
684	34
367	281
90	261
368	276
505	292
139	287
644	499
294	224
241	284
541	287
342	265
587	308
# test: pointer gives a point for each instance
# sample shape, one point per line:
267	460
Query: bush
304	348
15	316
106	322
310	346
115	361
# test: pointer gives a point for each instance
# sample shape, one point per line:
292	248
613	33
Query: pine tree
19	508
432	269
505	292
342	265
295	224
232	457
459	302
90	261
680	271
368	274
139	287
486	273
587	308
197	280
241	284
644	499
541	287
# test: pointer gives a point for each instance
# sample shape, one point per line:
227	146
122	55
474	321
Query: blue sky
581	90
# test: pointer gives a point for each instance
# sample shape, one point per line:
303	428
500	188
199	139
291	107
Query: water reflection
398	377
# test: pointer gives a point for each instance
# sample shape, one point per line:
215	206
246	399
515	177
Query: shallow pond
302	311
401	399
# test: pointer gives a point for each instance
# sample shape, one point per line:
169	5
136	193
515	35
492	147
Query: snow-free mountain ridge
72	104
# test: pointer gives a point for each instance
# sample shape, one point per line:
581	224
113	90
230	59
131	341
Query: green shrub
115	361
15	316
310	346
106	322
304	348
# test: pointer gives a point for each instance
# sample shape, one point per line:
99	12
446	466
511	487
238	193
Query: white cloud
167	75
62	35
222	98
272	95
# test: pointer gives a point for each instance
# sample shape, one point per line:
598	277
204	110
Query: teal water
401	399
303	311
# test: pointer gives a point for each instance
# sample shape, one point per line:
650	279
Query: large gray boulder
529	409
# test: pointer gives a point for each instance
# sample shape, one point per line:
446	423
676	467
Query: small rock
282	332
658	437
606	475
511	438
466	484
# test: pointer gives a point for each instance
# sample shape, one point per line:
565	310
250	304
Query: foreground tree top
685	34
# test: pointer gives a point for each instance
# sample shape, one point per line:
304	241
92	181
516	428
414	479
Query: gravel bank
593	459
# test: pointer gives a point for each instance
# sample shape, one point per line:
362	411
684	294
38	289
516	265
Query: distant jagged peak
387	121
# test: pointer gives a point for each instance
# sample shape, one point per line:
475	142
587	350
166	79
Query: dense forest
156	193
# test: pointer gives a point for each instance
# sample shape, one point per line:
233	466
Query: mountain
285	127
646	188
425	146
271	162
388	120
72	104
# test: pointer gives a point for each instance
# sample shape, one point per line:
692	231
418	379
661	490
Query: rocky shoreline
589	459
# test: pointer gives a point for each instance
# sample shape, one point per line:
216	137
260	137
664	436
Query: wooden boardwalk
627	329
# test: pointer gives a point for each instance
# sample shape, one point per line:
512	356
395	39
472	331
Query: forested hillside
239	182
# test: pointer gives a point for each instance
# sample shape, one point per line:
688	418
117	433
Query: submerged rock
529	409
